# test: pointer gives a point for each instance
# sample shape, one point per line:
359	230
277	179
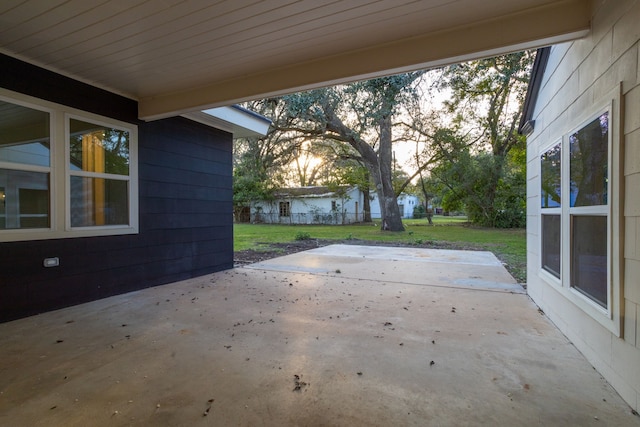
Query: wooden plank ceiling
176	56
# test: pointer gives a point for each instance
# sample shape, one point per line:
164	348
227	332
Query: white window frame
610	316
59	170
552	211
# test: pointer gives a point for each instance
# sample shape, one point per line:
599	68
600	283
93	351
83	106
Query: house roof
177	56
235	119
535	81
308	192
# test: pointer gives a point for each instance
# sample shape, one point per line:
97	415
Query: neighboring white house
583	174
310	205
406	203
320	205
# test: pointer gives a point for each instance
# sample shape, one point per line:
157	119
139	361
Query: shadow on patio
339	335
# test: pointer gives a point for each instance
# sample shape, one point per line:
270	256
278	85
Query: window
588	184
99	174
551	238
64	172
551	189
576	216
285	209
25	166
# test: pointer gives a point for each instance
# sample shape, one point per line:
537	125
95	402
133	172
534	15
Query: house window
25	166
285	209
588	211
334	205
574	228
64	172
550	168
98	174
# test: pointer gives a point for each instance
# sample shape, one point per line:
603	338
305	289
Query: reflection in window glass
589	256
24	135
95	148
550	163
99	201
24	199
551	244
588	163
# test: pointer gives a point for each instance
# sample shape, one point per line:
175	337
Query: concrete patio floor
337	336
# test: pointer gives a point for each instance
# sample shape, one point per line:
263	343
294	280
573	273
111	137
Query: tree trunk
366	206
391	218
378	164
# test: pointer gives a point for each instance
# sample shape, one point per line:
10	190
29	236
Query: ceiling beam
532	28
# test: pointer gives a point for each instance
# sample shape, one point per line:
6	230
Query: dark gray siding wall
185	209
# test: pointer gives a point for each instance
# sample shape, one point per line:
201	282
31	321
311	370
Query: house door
356	211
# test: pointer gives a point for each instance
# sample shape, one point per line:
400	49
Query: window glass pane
551	244
589	256
24	135
95	148
99	201
550	176
588	164
24	199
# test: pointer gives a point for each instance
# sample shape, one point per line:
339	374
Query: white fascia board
239	121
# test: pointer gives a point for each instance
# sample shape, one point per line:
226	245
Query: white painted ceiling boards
178	56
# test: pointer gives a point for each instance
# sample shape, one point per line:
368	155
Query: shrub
301	235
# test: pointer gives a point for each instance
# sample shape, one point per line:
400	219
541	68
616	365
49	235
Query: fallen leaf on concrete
206	411
298	383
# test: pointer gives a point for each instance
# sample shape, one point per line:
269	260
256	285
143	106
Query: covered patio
339	335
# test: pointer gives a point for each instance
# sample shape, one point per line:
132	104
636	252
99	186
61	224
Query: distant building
406	203
310	205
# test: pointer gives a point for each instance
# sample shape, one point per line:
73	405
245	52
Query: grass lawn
508	245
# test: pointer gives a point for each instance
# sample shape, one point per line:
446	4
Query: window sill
40	234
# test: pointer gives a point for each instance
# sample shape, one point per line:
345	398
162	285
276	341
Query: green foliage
357	120
302	235
419	211
468	155
486	179
491	189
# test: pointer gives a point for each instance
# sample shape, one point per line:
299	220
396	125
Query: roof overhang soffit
550	24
